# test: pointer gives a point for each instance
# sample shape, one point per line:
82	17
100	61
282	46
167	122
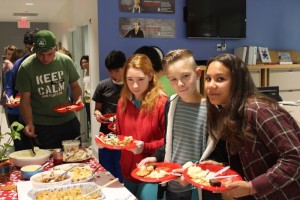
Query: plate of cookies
156	172
199	176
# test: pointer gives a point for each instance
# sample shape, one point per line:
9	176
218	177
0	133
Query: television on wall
217	19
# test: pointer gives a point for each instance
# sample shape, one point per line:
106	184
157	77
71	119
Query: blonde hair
150	96
176	55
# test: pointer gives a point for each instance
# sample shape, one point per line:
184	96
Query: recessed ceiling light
29	4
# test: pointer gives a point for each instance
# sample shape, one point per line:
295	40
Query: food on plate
66	194
145	170
76	155
109	119
187	165
112	139
151	171
198	175
13	100
215	182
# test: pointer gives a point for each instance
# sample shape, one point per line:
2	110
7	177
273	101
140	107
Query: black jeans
51	136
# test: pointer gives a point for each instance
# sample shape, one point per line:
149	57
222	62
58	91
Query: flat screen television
217	19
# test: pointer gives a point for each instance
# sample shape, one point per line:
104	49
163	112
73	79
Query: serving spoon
58	177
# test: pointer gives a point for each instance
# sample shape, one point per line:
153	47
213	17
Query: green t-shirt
48	85
167	88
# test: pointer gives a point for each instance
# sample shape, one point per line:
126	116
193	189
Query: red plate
109	146
106	116
167	166
70	107
12	105
112	126
213	168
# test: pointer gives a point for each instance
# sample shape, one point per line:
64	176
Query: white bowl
26	157
41	180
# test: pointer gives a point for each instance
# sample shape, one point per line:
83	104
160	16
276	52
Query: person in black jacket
136	32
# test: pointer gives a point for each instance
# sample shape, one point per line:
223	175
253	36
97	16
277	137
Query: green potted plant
5	165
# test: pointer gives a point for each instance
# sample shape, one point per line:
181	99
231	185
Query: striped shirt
189	136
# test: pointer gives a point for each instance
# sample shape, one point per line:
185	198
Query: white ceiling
46	9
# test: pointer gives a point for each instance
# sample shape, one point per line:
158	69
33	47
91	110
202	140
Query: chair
271	91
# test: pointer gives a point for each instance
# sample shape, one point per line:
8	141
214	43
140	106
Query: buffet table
18	188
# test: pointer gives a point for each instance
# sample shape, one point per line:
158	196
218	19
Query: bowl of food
49	179
26	157
70	145
30	170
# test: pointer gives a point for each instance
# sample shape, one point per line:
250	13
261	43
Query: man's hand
29	131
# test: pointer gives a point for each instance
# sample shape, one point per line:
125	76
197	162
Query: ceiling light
29	4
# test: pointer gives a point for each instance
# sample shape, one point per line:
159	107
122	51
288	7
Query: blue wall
271	23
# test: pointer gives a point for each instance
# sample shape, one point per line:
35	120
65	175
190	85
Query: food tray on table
108	118
70	107
113	141
80	172
79	155
192	175
69	190
160	173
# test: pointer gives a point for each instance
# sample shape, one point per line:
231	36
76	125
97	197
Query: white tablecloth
115	191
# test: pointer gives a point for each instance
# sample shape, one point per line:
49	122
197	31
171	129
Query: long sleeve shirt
270	155
149	128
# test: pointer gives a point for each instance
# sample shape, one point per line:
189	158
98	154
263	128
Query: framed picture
146	28
147	6
264	55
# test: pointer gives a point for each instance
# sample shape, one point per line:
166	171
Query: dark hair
18	53
28	37
85	57
115	60
227	121
153	55
68	53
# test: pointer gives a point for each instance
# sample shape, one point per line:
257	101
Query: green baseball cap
43	41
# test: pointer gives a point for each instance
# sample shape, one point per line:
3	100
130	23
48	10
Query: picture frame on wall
146	28
147	6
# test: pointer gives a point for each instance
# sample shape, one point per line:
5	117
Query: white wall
72	16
